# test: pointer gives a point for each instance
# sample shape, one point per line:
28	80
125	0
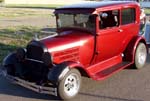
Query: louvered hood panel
66	46
71	54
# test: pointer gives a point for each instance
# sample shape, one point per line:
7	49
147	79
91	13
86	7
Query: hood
66	40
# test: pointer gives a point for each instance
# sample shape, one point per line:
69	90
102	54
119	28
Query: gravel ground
27	21
40	18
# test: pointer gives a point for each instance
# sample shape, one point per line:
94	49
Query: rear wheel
140	56
70	85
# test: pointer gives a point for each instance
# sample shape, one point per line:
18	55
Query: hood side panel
71	46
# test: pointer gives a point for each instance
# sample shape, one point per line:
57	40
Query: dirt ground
26	17
43	18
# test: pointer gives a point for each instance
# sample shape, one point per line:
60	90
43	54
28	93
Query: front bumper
52	90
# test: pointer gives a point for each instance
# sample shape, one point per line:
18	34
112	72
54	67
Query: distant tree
1	1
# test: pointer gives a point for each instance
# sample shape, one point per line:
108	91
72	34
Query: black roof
95	4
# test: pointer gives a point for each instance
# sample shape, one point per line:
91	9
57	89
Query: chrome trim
34	60
29	85
52	34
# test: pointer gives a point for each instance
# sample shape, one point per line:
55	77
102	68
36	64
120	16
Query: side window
109	19
128	16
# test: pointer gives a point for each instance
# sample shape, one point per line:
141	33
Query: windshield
83	21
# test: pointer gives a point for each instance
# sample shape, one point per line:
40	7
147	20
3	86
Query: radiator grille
34	52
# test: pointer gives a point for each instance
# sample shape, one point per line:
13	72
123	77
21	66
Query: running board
107	72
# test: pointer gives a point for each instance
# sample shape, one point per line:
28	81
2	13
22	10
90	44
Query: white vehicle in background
147	33
142	22
144	27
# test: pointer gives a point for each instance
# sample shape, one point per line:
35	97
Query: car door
129	24
110	35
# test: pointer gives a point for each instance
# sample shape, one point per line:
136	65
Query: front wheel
140	56
70	85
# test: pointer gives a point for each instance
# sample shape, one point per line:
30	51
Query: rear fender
129	53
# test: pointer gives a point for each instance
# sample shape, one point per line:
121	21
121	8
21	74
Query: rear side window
128	16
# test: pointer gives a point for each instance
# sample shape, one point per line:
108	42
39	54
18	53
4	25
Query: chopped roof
95	4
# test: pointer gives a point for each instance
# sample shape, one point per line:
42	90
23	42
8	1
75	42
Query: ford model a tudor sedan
93	39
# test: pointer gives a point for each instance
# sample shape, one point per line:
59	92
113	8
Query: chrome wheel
140	55
70	85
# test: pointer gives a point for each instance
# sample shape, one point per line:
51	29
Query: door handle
120	30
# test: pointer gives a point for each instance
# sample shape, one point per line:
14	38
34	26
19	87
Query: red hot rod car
94	39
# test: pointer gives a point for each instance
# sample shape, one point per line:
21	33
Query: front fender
131	48
58	72
10	59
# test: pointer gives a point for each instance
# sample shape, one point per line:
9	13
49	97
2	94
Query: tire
70	85
140	56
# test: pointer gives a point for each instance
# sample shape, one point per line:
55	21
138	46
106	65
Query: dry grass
14	37
23	12
147	11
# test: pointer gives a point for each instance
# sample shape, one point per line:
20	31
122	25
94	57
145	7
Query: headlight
21	52
47	58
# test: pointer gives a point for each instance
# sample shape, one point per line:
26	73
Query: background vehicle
94	39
